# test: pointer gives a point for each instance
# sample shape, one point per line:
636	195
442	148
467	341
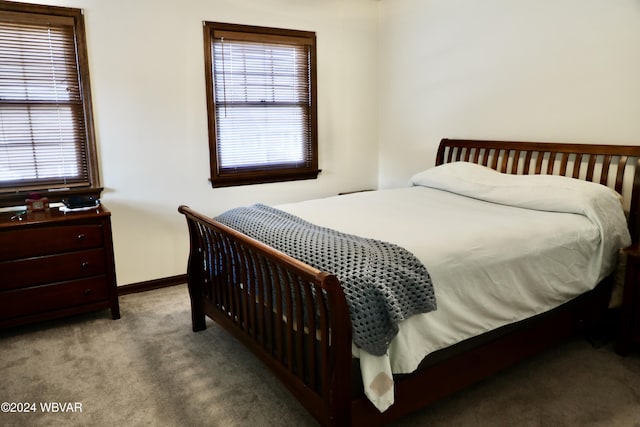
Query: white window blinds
262	96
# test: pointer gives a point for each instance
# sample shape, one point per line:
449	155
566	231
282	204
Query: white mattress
491	264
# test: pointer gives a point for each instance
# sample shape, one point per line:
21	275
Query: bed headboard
616	166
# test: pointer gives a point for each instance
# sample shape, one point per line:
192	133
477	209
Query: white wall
399	73
529	70
146	61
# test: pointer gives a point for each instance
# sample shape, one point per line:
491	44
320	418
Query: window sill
261	178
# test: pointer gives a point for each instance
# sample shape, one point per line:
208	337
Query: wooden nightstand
630	316
55	264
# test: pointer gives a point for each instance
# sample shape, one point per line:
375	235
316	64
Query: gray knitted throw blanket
383	283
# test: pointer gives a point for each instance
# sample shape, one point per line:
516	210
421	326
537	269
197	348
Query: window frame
257	175
56	191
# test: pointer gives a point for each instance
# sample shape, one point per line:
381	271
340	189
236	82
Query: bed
296	317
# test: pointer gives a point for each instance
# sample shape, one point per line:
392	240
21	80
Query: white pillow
553	193
474	180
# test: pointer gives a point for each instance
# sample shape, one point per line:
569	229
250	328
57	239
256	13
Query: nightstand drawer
32	242
50	269
38	299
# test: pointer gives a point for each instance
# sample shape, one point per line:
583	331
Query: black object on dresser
55	264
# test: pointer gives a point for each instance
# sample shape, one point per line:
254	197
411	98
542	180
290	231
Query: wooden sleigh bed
262	296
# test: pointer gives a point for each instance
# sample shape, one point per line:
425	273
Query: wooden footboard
292	316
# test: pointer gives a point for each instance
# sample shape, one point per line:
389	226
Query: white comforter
499	248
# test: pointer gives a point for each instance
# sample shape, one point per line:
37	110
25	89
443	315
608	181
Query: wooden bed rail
292	316
616	166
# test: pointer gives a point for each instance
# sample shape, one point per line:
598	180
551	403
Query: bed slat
591	167
576	166
563	164
604	174
516	160
622	164
552	162
279	314
527	161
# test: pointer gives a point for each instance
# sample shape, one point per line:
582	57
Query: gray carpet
148	368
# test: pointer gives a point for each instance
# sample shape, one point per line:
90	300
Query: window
46	130
261	99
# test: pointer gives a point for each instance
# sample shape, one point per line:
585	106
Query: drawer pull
88	291
84	265
81	236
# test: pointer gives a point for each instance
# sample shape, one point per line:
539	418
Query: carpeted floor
148	368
